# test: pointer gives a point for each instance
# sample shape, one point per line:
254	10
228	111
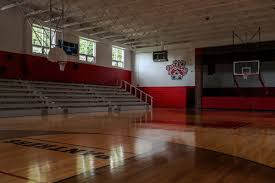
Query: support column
198	79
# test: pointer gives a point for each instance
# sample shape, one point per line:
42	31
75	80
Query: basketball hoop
247	69
57	54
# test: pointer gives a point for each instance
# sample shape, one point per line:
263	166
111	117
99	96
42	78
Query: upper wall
151	74
15	36
11	31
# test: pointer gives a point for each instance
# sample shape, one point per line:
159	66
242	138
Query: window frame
43	39
116	62
87	56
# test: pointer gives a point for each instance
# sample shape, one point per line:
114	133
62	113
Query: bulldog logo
177	70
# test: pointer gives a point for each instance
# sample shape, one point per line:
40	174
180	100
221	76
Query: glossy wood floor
166	146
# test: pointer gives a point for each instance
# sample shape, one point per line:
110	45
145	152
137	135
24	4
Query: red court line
17	176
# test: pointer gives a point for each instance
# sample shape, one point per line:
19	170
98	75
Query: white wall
15	36
148	73
11	31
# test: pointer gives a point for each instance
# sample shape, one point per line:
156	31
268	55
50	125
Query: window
118	57
41	43
87	50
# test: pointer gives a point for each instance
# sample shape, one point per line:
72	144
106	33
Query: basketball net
245	76
62	66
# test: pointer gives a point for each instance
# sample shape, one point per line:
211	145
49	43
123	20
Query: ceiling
147	23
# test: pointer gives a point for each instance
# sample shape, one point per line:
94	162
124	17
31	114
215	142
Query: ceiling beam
68	15
112	36
98	33
72	24
13	5
87	28
37	12
34	12
122	39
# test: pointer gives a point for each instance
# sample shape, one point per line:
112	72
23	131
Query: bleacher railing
137	92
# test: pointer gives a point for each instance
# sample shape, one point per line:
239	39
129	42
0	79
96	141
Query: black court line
44	133
50	141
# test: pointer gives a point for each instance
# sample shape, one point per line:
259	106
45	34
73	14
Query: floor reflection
126	135
86	164
116	157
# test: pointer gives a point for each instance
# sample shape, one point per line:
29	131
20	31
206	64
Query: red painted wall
243	103
172	97
28	67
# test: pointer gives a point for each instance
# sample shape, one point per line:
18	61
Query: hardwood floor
164	146
181	164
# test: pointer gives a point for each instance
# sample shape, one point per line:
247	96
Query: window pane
82	46
36	49
41	39
47	39
53	38
82	57
86	47
118	55
36	40
119	51
37	34
113	55
90	48
90	59
120	64
114	63
37	29
46	51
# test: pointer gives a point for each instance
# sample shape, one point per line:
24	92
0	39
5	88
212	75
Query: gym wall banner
177	70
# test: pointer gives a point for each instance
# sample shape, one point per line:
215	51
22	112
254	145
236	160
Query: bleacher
22	98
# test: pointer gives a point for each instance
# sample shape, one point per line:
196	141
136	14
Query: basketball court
137	91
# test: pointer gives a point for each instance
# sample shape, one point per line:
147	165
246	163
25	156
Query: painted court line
50	141
19	177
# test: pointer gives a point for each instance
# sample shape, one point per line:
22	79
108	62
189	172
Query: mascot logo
177	70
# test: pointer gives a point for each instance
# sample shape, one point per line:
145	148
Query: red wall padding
237	92
172	97
28	67
244	103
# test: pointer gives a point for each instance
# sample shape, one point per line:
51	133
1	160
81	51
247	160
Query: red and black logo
177	70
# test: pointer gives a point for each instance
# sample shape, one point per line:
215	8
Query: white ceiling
145	23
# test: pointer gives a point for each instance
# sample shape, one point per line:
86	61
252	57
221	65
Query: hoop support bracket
235	81
261	80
